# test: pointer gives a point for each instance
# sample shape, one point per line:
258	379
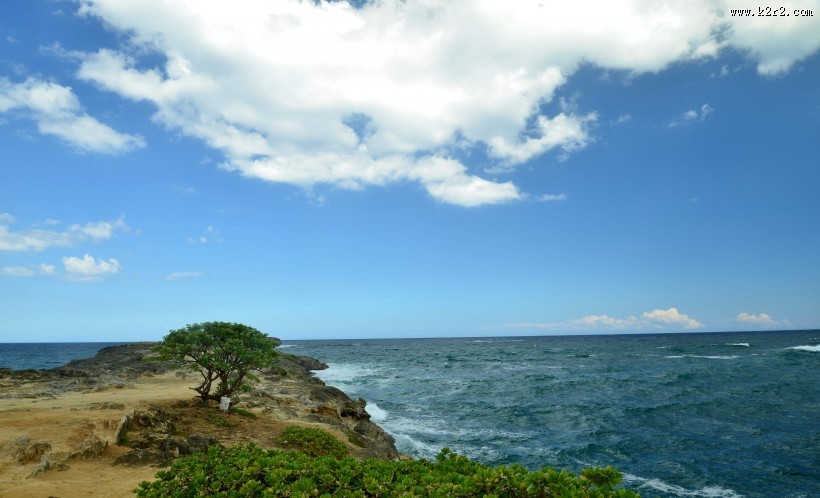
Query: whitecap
406	444
743	344
673	489
283	346
813	349
376	414
343	373
704	356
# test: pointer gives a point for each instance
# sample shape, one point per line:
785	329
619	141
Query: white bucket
224	403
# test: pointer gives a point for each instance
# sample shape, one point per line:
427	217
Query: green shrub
248	470
221	422
244	413
314	442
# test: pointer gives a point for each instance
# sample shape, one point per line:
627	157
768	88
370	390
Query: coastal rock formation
121	410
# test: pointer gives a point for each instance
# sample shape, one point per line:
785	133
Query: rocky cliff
123	410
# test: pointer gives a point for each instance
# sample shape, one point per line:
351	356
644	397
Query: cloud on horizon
760	320
656	319
179	275
309	93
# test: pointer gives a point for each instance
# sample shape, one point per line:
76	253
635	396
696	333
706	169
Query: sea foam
704	356
813	349
376	414
672	489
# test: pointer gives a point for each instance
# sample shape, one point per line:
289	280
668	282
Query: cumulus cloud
311	93
760	320
38	239
775	43
670	319
89	268
58	112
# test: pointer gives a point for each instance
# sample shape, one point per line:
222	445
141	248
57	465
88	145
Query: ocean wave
414	447
813	349
710	357
344	373
743	344
672	489
376	414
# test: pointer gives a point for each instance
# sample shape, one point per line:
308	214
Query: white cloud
38	239
312	93
552	197
27	271
670	319
775	43
183	274
760	320
693	116
622	119
89	268
210	234
57	112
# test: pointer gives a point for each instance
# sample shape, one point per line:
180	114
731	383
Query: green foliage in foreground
314	442
248	470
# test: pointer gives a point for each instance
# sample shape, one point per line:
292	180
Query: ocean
701	415
45	355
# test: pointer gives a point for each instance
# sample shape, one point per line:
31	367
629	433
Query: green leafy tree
224	353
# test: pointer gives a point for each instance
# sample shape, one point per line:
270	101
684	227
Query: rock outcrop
155	433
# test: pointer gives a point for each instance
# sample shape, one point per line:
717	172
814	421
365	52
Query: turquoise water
712	415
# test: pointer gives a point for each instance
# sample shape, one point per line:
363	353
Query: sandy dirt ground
67	420
59	427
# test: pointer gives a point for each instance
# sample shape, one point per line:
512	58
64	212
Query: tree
225	353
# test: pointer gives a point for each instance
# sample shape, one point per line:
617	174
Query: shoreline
62	430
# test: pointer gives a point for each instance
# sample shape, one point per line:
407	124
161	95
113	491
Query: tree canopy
224	353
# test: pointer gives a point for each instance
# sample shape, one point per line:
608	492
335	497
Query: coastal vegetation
314	442
249	470
223	353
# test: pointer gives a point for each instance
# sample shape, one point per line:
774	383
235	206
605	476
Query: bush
248	470
314	442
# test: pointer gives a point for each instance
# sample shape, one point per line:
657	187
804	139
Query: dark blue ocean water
703	415
711	415
44	355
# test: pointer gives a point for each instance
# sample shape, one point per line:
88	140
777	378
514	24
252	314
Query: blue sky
416	169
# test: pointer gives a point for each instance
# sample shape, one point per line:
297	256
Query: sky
416	168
